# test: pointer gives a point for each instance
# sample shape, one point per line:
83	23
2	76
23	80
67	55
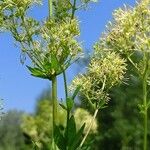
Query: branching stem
133	64
91	124
73	9
66	95
54	86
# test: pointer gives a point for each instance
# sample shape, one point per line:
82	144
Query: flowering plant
52	46
128	35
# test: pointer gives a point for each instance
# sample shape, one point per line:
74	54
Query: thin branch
91	124
134	65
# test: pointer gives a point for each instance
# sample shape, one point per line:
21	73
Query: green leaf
141	108
148	105
54	63
70	131
70	103
59	139
77	139
65	54
35	146
76	92
37	72
47	65
63	106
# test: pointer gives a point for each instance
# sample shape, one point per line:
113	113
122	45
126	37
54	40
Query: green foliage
10	132
82	116
120	124
77	126
71	138
66	8
52	46
38	126
62	8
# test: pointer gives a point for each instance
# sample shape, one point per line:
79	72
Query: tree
10	132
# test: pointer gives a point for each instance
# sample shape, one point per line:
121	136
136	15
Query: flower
104	71
128	33
57	48
110	67
51	45
60	39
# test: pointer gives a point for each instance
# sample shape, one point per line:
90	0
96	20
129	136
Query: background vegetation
118	127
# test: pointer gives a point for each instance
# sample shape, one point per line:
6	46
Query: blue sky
17	87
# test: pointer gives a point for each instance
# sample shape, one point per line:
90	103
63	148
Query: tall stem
66	94
145	112
54	87
50	3
91	124
54	99
73	9
65	84
54	104
145	76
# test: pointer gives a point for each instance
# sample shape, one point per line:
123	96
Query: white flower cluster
52	46
61	39
111	68
17	3
129	31
104	71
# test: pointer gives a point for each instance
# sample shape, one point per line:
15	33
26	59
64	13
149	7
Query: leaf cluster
70	139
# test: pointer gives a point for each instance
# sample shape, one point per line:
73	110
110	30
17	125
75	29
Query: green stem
50	3
66	94
65	84
134	65
145	112
91	124
54	99
73	9
54	104
54	87
145	76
